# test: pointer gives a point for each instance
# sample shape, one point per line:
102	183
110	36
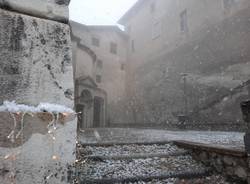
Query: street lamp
245	108
182	118
184	77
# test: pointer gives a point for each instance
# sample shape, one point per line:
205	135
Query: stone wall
49	9
216	63
36	66
231	162
35	59
31	155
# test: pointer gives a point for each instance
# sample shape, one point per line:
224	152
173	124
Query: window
132	45
156	29
99	64
98	78
184	21
95	41
113	48
228	4
152	8
122	66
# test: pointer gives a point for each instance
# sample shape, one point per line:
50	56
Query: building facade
185	55
99	54
174	59
157	26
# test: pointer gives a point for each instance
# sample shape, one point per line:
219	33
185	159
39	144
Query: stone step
136	156
135	150
132	168
136	163
119	143
179	175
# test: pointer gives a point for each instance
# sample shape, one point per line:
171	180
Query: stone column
36	66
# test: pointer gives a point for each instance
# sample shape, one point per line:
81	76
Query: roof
132	11
113	28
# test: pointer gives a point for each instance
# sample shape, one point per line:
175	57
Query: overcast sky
98	12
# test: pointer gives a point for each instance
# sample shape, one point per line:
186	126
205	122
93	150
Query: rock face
50	9
36	66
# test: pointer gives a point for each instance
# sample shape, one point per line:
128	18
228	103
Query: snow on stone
55	108
42	107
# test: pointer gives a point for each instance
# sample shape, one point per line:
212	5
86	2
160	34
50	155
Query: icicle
22	125
11	136
12	156
52	122
52	127
56	122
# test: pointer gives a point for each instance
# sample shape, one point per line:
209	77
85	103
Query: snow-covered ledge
37	144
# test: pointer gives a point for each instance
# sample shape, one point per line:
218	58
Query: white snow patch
42	107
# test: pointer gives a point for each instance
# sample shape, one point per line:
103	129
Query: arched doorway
98	112
91	102
80	115
86	101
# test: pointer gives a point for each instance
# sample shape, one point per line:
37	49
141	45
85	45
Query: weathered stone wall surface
216	62
235	168
36	66
35	60
49	9
34	150
231	162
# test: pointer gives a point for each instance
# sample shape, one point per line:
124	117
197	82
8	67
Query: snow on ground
139	167
225	139
109	168
215	179
131	149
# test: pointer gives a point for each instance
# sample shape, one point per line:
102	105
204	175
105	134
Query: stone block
203	156
241	172
229	171
229	161
38	159
50	9
36	66
35	60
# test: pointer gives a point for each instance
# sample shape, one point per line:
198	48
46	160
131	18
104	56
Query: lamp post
182	118
245	108
184	77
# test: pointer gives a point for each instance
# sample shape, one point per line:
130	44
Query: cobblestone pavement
170	169
131	149
225	139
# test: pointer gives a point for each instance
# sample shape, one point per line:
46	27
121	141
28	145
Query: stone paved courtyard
123	135
172	165
148	156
